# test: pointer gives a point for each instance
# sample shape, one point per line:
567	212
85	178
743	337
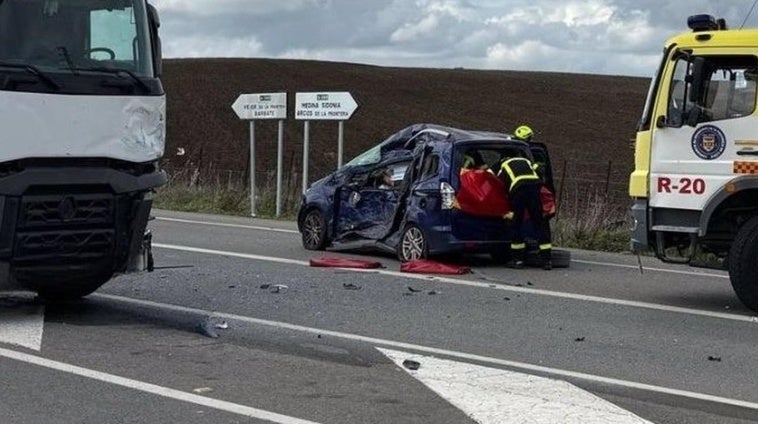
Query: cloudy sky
618	37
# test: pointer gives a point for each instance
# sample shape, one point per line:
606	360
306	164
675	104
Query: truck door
703	132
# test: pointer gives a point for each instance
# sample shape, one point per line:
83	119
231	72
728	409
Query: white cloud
220	7
593	36
414	31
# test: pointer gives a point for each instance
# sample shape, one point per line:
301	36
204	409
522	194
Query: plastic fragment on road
335	262
223	325
350	286
426	266
411	364
714	358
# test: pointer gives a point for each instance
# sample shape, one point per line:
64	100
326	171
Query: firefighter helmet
524	133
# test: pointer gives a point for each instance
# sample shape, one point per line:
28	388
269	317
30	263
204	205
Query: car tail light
448	195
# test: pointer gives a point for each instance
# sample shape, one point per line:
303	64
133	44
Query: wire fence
576	183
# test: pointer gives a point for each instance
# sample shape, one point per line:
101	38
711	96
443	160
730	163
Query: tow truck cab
694	185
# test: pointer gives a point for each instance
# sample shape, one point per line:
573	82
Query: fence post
608	177
560	189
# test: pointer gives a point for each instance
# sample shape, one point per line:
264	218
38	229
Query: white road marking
479	284
579	261
637	267
222	224
436	351
22	325
495	396
152	388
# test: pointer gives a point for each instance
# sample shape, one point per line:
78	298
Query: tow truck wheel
743	268
412	244
314	230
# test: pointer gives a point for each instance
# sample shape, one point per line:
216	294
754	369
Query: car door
365	211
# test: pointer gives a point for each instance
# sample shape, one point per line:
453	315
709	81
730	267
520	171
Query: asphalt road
234	326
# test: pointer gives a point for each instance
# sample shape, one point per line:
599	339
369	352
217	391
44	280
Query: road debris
223	325
277	288
411	364
264	286
207	329
714	358
579	339
202	390
507	298
412	290
432	292
350	286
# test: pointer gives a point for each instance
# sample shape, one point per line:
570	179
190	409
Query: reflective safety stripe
518	246
546	246
531	175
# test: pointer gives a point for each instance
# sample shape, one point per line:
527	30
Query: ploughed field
588	121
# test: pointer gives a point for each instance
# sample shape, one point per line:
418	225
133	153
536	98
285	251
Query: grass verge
589	222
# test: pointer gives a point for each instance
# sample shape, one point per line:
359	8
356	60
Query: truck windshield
56	36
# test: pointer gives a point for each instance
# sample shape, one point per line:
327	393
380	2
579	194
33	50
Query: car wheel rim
312	229
413	244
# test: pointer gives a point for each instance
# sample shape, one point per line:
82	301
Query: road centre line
556	372
222	224
152	388
287	231
478	284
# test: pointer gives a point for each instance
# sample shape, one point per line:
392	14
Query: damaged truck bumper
63	224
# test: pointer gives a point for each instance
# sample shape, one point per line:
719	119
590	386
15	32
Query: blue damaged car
399	197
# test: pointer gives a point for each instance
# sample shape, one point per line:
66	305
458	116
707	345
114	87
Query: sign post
252	107
329	106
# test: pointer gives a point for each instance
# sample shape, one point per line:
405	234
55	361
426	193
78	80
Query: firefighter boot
517	259
547	262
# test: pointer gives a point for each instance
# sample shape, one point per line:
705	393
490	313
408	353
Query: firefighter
524	133
523	184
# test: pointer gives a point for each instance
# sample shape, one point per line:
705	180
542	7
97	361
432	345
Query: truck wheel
743	268
314	230
412	244
72	290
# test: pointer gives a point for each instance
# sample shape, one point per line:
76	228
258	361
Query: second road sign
333	106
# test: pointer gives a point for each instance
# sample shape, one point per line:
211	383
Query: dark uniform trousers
526	198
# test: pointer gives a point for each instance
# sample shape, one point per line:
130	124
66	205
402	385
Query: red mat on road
425	266
334	262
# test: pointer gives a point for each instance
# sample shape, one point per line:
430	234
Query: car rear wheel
412	244
314	230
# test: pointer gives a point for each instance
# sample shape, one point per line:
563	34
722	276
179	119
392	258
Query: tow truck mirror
698	79
155	40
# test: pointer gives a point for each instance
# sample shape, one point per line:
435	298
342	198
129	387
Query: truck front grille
82	245
66	210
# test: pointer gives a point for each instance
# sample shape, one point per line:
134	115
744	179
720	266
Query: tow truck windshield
54	36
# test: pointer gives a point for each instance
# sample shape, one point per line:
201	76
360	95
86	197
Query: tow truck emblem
708	142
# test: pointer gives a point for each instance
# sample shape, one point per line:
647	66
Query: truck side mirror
155	40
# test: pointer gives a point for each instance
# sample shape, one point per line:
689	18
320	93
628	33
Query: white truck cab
82	118
695	183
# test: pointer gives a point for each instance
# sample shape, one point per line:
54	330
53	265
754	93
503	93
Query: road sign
261	106
334	106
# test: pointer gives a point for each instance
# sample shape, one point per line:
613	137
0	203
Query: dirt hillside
587	120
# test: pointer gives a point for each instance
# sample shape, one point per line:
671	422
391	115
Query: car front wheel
314	230
412	245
